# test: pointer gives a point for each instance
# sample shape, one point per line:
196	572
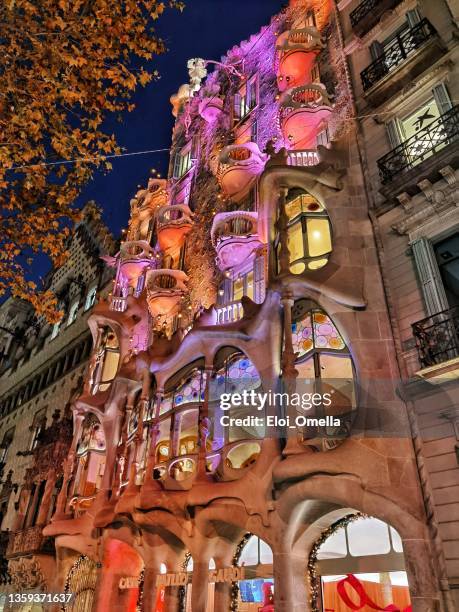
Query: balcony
404	59
228	313
234	236
303	110
303	158
211	108
435	138
135	257
299	49
368	13
174	223
240	165
165	290
437	342
29	541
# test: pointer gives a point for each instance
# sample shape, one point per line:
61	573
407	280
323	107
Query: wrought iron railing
371	9
437	337
394	54
441	132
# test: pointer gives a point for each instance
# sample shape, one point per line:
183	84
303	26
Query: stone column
172	599
149	589
424	594
200	585
290	592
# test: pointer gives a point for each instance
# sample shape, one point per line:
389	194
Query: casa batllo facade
256	266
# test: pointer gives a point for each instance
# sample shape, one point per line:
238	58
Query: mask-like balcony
437	341
235	237
165	289
422	154
135	257
210	108
302	111
146	201
367	14
407	56
174	223
299	50
240	165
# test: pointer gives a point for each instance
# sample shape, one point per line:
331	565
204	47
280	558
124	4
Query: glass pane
334	547
337	378
319	239
191	390
317	263
306	370
163	441
166	403
249	285
295	241
302	336
266	554
396	540
368	537
238	288
242	374
249	554
298	268
325	333
188	439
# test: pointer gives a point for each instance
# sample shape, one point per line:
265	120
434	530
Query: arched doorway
256	592
81	582
358	564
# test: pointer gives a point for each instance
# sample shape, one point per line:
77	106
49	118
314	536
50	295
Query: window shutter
413	17
442	98
429	276
259	279
376	50
395	132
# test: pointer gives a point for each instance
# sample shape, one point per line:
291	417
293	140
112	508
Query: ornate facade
256	267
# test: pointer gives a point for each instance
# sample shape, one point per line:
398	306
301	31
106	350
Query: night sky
206	28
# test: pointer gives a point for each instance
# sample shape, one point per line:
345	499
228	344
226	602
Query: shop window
73	313
106	360
246	99
90	454
309	239
363	555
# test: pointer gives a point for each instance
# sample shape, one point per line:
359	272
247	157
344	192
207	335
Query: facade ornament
406	201
449	175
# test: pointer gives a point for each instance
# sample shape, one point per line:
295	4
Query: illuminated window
324	361
90	457
106	360
245	99
308	235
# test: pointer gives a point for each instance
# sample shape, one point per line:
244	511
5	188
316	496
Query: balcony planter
165	289
174	223
211	108
239	167
235	237
302	112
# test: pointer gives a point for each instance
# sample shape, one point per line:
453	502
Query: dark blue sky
206	28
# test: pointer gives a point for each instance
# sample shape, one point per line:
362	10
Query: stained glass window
321	334
237	373
191	390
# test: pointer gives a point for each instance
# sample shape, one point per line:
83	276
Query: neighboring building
42	370
404	63
267	261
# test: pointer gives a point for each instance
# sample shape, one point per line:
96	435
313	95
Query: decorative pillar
290	592
203	430
200	586
149	589
172	599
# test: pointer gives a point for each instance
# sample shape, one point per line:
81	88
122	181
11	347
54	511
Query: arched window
238	445
257	559
361	559
323	361
176	442
90	457
309	237
107	356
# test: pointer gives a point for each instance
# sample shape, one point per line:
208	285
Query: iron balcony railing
437	337
430	139
371	11
394	54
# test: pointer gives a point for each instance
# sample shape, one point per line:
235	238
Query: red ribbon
364	599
